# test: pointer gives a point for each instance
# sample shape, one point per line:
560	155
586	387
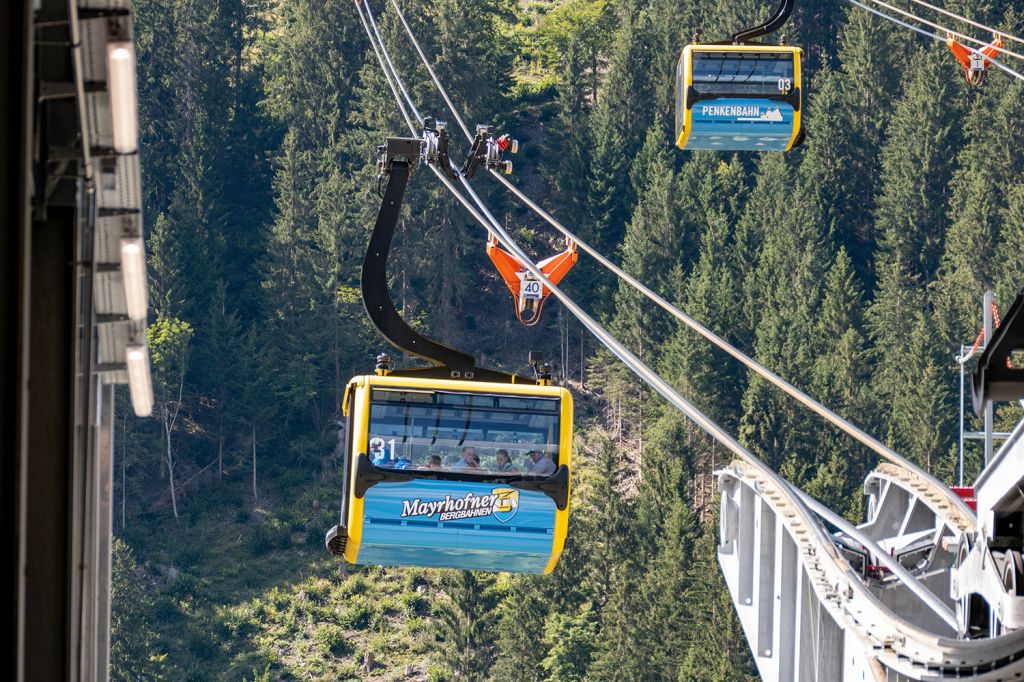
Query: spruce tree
782	297
465	625
620	120
521	616
570	641
841	380
980	190
1010	268
717	651
134	646
916	168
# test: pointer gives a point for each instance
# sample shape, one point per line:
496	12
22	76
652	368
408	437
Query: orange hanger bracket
529	293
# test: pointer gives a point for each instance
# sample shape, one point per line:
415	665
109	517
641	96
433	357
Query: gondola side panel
562	515
458	524
361	405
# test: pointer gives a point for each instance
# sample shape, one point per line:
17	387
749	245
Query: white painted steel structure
814	610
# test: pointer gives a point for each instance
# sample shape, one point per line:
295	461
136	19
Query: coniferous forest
853	266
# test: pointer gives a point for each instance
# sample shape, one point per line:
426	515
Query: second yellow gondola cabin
741	97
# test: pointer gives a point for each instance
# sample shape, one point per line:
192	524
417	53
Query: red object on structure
975	65
504	142
529	293
876	571
966	494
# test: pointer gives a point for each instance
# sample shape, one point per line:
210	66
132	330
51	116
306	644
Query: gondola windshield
463	434
738	73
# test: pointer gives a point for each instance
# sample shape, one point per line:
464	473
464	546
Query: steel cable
940	27
967	21
923	32
789	389
797	498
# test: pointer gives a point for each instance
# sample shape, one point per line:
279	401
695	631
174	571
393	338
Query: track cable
965	20
798	499
994	62
771	377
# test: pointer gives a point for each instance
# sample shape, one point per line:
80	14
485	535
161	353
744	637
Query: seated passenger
504	462
469	460
541	464
433	463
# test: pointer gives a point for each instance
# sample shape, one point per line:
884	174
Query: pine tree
217	361
522	613
916	169
479	91
923	398
650	252
712	297
602	526
666	607
826	154
716	652
1010	263
872	54
899	303
619	122
841	380
621	648
569	145
577	35
256	394
979	200
465	625
570	641
782	295
134	650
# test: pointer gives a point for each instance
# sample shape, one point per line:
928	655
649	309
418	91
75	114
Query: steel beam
15	177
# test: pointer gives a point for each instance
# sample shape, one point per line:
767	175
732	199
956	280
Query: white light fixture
133	270
121	86
140	384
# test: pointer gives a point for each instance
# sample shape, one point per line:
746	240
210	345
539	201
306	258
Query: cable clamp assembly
487	152
435	146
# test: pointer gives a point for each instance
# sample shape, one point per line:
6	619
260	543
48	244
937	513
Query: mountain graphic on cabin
773	115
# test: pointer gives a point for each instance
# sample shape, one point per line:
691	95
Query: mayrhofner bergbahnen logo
502	503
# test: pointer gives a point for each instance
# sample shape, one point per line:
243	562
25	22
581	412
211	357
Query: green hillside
853	266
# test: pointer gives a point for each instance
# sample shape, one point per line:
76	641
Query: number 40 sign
531	288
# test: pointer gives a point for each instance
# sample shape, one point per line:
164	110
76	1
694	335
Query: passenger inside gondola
504	462
471	435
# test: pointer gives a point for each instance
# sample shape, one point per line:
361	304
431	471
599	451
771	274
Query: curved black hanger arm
774	23
398	158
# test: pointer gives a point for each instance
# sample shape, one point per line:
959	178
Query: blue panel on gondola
457	524
741	124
